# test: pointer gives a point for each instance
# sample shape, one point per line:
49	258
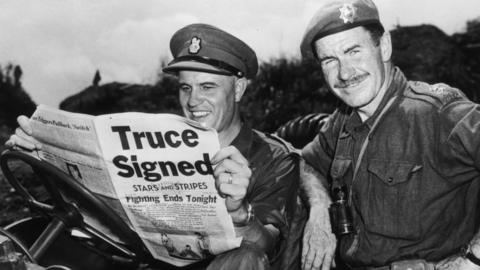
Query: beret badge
347	13
194	45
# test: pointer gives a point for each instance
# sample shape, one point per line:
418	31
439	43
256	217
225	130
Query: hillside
287	88
14	100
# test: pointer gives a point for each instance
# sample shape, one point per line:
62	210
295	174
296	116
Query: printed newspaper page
163	176
69	142
156	166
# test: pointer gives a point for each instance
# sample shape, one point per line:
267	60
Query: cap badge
347	13
195	45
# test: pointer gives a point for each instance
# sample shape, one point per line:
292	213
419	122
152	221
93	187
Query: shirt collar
243	141
398	83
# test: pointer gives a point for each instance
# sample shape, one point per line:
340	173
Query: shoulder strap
365	144
336	183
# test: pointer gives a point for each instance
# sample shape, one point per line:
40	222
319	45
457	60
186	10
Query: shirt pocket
339	169
392	194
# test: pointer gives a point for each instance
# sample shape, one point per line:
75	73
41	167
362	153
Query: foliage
473	31
283	90
13	99
118	97
287	88
437	57
13	102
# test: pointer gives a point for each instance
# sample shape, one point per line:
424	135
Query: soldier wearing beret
401	159
255	172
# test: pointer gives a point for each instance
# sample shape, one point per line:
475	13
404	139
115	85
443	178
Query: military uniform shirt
417	189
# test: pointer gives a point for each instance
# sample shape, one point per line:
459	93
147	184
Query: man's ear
386	46
240	87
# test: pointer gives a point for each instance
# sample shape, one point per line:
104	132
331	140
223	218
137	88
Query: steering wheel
72	204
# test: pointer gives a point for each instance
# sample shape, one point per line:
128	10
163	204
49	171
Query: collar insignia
195	45
347	13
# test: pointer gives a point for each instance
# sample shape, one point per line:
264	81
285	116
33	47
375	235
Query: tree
96	78
14	101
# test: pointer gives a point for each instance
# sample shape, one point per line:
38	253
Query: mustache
352	81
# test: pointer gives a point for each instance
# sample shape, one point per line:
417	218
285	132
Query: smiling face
212	100
355	67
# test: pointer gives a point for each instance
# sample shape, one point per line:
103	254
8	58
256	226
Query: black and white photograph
348	134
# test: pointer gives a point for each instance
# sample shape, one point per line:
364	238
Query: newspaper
153	169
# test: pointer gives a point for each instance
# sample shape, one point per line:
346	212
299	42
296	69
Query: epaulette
439	94
276	140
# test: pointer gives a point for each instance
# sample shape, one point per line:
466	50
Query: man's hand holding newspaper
232	175
23	136
167	175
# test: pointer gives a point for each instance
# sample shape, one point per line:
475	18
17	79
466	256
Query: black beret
206	48
337	16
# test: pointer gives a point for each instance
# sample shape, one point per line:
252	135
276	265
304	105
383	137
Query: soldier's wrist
243	216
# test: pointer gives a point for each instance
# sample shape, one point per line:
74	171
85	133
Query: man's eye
353	52
326	62
184	88
207	87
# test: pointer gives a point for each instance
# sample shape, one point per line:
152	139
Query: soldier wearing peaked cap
255	172
401	159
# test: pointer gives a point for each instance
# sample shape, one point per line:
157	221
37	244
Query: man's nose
195	97
346	71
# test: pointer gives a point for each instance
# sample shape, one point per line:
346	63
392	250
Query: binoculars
340	212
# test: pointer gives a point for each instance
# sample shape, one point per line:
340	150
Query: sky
61	43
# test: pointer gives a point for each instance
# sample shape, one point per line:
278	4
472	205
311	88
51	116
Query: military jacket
416	194
274	181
